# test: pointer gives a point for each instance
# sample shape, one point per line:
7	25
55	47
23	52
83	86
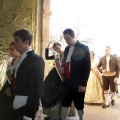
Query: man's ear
26	42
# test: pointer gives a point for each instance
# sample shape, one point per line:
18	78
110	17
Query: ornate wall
17	14
33	15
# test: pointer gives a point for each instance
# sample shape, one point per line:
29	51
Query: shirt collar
25	53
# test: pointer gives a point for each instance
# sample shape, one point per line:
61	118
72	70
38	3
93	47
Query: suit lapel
24	62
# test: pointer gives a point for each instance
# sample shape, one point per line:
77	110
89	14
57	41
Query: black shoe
105	106
113	102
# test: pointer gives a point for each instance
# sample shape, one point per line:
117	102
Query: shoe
105	106
113	102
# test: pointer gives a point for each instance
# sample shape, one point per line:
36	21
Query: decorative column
46	13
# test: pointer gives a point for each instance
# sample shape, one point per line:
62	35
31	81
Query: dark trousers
109	81
71	94
29	111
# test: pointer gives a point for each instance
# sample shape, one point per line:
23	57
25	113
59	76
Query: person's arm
47	52
117	69
86	68
47	55
36	77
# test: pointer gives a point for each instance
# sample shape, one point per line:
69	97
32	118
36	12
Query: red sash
67	72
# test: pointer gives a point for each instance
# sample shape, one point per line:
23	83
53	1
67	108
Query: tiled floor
96	112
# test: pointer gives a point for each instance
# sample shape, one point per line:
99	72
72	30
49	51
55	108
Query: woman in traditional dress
52	90
94	90
51	99
6	100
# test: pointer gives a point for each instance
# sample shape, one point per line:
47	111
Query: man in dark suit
76	68
28	77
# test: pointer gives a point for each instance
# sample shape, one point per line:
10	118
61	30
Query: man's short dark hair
69	31
24	35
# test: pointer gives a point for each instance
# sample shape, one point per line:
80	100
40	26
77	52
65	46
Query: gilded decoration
15	14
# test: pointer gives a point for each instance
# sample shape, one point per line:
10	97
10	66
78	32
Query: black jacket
29	80
80	64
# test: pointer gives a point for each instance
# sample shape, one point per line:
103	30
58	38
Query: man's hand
104	71
81	89
62	70
8	92
116	80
